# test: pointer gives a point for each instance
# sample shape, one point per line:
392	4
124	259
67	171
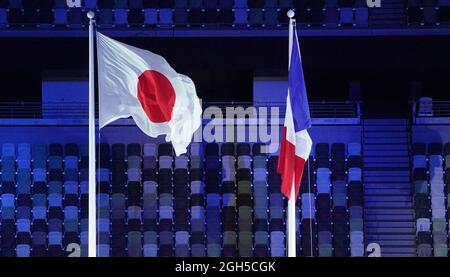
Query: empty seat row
221	4
43	202
331	202
430	193
217	200
179	16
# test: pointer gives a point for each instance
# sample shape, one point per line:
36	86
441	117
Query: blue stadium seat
361	17
240	4
23	250
240	16
90	4
120	4
347	16
120	17
354	174
165	17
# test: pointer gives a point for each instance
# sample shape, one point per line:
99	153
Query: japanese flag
138	83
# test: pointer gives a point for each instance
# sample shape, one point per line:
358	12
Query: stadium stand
227	13
151	203
223	14
430	198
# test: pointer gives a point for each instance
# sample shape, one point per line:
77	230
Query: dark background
223	68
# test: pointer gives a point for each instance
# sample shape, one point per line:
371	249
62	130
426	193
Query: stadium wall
431	133
76	131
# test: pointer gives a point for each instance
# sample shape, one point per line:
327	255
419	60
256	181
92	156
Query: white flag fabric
138	83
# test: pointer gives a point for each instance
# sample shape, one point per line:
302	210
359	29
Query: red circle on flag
157	96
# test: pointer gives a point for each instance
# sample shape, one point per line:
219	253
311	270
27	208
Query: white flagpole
92	231
291	244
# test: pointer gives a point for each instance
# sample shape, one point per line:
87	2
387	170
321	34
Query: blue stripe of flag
297	90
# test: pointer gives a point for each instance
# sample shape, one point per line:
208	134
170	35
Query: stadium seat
3	18
424	250
120	17
440	250
240	4
255	17
354	174
105	18
136	18
150	17
270	17
90	4
429	16
60	17
423	225
240	17
165	17
419	161
332	17
161	205
347	16
75	18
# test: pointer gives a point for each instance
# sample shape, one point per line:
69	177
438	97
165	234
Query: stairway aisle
389	214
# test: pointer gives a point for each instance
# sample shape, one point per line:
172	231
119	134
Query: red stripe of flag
290	166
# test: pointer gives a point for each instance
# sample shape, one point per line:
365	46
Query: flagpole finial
90	14
290	14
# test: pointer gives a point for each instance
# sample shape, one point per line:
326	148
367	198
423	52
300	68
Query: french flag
296	142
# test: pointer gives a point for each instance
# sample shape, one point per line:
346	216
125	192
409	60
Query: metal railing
438	109
20	110
70	110
318	109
